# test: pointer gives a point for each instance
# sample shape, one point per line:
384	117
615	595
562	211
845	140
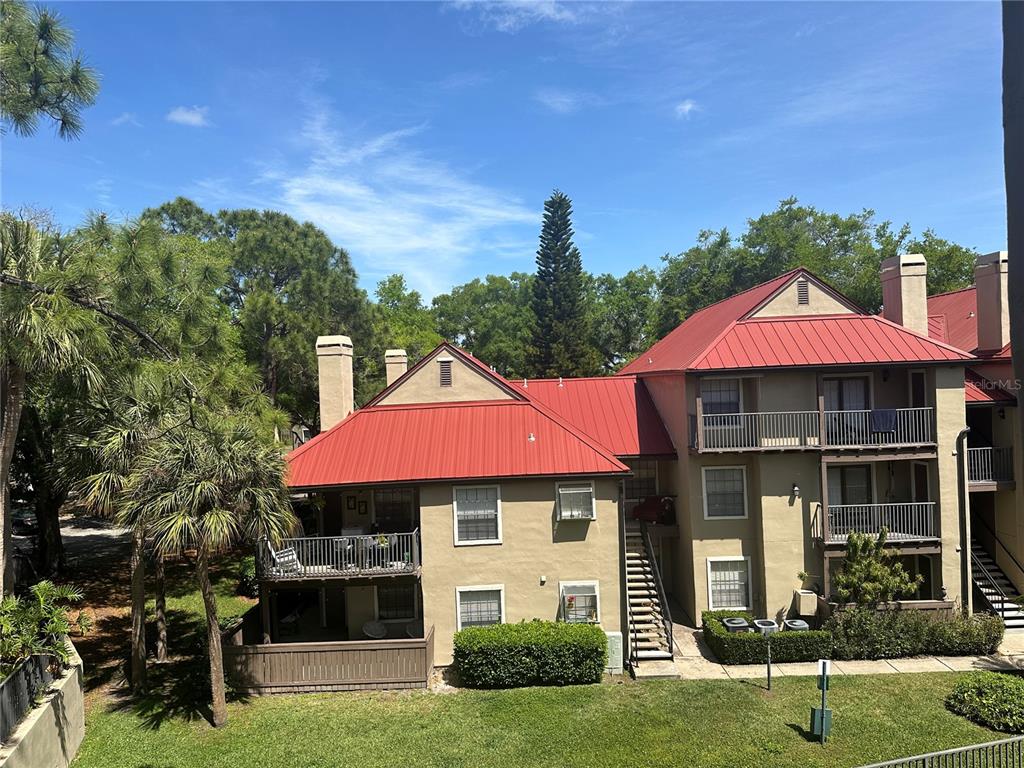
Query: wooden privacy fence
1008	753
350	665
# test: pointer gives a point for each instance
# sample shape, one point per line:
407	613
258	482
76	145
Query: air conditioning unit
614	653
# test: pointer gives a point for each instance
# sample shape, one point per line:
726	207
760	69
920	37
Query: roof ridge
776	318
748	290
608	377
967	355
950	293
444	404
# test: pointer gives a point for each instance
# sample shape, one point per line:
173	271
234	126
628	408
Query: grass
654	723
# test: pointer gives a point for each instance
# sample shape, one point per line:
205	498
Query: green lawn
655	723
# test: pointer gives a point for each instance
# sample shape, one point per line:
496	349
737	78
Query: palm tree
204	487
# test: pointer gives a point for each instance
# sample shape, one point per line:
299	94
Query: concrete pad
656	669
923	664
1013	643
880	667
800	669
699	669
748	671
974	663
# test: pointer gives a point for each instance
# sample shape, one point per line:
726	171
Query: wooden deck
351	665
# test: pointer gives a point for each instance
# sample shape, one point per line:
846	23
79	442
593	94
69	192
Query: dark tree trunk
12	398
37	447
219	705
161	609
137	672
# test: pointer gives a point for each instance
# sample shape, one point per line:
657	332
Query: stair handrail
666	614
975	561
633	636
998	541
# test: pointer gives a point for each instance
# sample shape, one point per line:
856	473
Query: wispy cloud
394	208
563	101
685	108
126	118
194	117
459	80
101	189
514	15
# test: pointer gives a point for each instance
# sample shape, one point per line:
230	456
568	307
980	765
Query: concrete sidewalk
694	661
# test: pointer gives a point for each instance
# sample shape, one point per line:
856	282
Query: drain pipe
965	544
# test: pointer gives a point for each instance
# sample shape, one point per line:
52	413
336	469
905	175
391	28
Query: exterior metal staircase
991	584
650	624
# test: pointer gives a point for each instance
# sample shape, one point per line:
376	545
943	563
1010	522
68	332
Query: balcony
813	430
903	522
989	468
339	557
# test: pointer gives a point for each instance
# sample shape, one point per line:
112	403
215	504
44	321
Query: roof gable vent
803	293
446	372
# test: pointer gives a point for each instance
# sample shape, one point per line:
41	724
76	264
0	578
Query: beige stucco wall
950	418
423	386
534	547
820	302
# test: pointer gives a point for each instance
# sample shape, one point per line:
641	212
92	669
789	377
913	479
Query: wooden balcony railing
325	557
989	465
908	521
801	430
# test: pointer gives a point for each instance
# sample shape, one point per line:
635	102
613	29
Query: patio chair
285	560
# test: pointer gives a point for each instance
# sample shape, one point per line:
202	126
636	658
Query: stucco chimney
396	362
334	361
905	292
993	301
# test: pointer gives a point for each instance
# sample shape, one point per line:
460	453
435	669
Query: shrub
248	584
871	574
38	624
992	699
865	633
752	647
531	653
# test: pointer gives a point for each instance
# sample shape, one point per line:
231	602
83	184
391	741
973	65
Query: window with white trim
396	602
479	606
725	492
729	584
477	512
576	501
580	602
644	481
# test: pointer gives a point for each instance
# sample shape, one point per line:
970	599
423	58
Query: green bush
992	699
531	653
752	647
865	633
37	625
248	584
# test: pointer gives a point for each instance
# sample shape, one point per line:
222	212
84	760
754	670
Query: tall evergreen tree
561	336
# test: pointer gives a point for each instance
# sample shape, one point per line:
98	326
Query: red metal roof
953	318
617	411
447	441
978	389
820	340
692	337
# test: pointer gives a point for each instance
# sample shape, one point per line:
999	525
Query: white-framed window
729	583
576	501
581	602
479	606
644	481
397	601
477	514
725	492
720	396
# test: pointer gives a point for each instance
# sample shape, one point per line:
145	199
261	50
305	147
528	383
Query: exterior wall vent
446	372
803	295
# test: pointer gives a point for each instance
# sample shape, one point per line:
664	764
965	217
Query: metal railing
795	430
989	465
977	519
895	426
770	429
997	595
340	556
902	521
666	614
1007	753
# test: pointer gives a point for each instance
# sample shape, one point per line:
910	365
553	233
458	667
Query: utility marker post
821	719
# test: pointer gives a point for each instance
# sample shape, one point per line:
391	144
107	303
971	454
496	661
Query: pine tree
561	334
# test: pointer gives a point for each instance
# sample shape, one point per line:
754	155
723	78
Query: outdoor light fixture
796	491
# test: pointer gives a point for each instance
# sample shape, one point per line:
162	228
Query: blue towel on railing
883	420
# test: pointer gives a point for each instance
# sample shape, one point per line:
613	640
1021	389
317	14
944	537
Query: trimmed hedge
863	633
531	653
992	699
752	647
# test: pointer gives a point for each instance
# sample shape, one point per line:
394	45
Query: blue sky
424	138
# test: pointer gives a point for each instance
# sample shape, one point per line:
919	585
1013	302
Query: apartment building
725	467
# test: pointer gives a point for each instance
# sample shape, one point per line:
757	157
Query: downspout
965	545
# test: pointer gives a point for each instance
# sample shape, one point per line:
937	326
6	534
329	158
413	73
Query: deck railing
902	521
897	426
320	557
800	430
1006	753
989	465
